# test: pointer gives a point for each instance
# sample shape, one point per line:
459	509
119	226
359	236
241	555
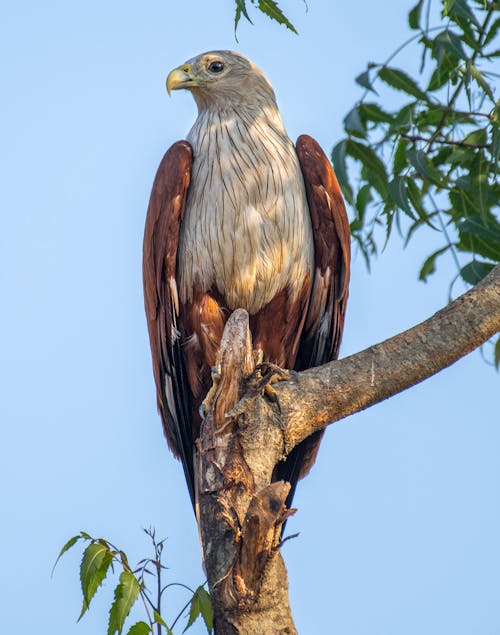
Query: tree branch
240	507
323	395
463	144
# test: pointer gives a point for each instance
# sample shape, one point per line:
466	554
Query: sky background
399	520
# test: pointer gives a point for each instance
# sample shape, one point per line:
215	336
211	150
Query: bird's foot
206	404
265	375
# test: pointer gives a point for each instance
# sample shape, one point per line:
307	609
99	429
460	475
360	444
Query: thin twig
180	614
445	141
184	586
445	232
460	84
393	55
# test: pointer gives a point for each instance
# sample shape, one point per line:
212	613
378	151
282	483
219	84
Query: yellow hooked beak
181	77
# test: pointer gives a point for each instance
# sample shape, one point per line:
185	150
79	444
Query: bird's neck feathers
250	100
249	119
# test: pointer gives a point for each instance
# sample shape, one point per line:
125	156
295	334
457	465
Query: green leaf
367	156
271	9
399	161
364	80
449	41
363	197
376	181
475	225
241	8
480	246
403	119
475	271
354	124
462	202
126	594
339	165
468	36
444	72
493	30
495	145
93	569
201	605
442	156
206	609
415	196
401	81
479	78
414	15
459	156
479	183
476	137
447	6
460	9
71	542
429	266
496	354
429	117
141	628
158	618
425	167
373	112
194	611
389	218
397	190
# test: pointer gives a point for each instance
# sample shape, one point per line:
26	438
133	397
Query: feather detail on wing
320	341
161	239
332	252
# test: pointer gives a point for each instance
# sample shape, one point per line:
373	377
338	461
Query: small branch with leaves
100	556
433	162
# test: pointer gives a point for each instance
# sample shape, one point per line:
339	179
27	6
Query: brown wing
322	332
161	239
332	253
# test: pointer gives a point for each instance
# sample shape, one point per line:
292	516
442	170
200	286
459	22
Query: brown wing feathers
325	318
161	239
322	333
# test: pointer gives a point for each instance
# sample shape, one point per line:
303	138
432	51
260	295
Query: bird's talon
203	411
206	404
265	375
272	395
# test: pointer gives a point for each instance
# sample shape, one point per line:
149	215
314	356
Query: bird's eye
216	67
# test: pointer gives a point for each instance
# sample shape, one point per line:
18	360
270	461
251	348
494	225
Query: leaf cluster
268	7
100	557
433	161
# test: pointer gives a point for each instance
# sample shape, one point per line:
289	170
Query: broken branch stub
240	511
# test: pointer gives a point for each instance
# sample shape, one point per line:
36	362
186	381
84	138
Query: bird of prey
239	217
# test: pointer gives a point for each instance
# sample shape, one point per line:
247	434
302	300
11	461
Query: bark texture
240	509
326	394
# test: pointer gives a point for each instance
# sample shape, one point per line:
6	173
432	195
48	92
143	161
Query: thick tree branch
328	393
240	507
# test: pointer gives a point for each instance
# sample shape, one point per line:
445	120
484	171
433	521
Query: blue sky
399	520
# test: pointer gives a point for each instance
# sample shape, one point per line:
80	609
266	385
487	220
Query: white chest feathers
246	230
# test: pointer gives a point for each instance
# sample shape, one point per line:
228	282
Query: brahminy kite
239	217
